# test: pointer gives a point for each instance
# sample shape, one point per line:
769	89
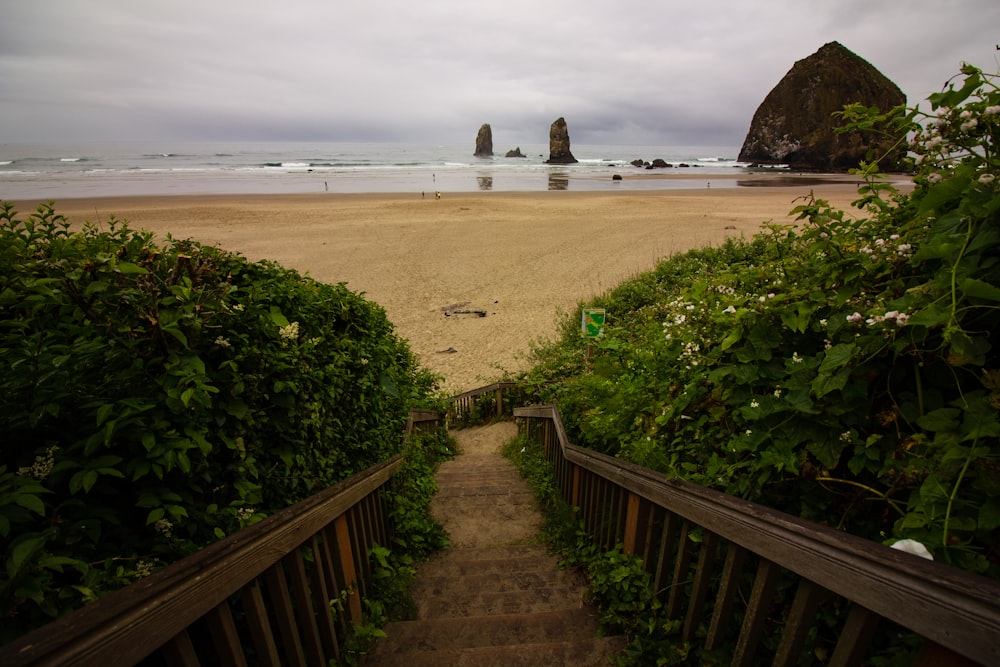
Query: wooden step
496	597
439	634
595	652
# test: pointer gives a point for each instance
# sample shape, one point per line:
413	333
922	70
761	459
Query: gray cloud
644	72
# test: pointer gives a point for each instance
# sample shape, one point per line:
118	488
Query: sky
625	72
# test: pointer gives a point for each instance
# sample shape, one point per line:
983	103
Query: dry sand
523	258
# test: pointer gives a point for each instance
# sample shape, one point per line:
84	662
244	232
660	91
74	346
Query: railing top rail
952	607
483	390
138	619
417	416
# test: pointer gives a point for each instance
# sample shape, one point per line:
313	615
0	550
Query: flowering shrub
154	398
840	367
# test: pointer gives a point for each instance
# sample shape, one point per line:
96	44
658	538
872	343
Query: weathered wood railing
958	613
482	404
284	591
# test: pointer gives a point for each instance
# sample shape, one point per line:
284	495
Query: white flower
730	310
823	322
796	358
969	124
855	317
777	393
986	179
934	179
164	527
754	404
913	547
222	342
992	111
845	436
143	568
42	465
749	432
291	332
902	319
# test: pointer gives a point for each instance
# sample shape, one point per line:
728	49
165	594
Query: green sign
593	322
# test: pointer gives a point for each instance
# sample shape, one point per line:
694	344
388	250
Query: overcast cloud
627	72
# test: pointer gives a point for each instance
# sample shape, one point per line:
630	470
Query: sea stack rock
515	153
559	144
794	124
484	141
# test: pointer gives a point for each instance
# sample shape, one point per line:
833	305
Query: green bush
157	397
841	367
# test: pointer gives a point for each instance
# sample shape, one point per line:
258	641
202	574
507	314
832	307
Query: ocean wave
286	165
4	163
70	159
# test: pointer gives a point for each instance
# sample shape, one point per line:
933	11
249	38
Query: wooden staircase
496	597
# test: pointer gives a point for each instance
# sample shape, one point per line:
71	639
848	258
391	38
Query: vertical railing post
347	562
575	494
638	517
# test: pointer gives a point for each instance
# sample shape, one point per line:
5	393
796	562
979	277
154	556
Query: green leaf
979	289
128	267
837	357
942	419
733	337
30	501
176	333
827	452
989	514
89	479
155	515
278	319
21	552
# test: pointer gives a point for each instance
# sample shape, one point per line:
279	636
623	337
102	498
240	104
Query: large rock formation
559	144
794	125
484	141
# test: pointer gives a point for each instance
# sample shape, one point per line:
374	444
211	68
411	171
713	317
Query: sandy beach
522	258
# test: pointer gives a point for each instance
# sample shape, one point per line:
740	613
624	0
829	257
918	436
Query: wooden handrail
950	607
284	572
480	404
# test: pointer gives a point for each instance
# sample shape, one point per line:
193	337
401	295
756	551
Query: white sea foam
51	170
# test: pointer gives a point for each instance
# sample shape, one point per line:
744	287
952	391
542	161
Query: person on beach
437	195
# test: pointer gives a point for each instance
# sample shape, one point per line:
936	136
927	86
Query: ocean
54	171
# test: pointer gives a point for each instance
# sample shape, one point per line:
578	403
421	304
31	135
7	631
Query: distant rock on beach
515	153
559	152
794	124
484	141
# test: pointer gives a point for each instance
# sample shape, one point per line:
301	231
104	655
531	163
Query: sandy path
524	258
